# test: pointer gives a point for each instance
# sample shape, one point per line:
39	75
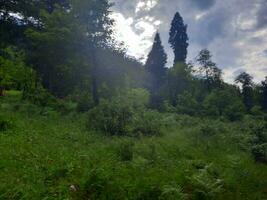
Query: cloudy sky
235	31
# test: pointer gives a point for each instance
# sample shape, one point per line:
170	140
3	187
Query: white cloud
137	44
145	5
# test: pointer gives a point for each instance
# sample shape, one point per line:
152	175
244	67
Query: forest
80	119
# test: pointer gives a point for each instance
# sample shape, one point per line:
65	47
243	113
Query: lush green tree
187	104
13	71
54	51
208	70
179	80
247	89
224	103
178	38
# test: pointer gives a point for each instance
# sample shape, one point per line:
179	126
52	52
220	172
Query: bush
172	192
84	102
187	104
125	116
112	118
224	103
125	151
259	152
148	123
5	123
208	130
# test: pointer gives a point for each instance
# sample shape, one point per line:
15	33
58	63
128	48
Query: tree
208	70
263	94
224	102
178	38
94	17
63	49
155	65
247	89
179	80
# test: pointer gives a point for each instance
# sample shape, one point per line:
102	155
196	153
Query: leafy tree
224	103
208	70
247	89
54	51
155	65
13	71
187	104
178	38
179	80
93	16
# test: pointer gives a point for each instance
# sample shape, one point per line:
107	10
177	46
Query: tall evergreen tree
178	38
247	89
155	63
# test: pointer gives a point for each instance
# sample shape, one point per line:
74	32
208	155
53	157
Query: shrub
112	118
172	192
148	123
224	103
259	152
206	184
125	115
208	130
187	104
5	123
84	102
125	151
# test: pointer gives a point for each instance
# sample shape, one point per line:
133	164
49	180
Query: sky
235	31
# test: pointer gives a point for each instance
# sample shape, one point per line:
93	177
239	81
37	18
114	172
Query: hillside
45	155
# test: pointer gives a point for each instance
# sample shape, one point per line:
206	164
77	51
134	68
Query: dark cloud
262	14
265	52
202	4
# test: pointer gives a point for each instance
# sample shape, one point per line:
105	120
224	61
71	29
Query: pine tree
155	63
178	38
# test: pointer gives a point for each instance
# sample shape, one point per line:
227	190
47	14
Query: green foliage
172	192
206	184
187	104
112	118
147	123
125	151
13	71
84	102
179	80
5	123
223	103
82	165
208	130
125	115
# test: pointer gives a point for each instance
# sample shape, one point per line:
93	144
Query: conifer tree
155	63
178	38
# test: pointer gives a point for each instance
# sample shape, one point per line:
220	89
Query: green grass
47	155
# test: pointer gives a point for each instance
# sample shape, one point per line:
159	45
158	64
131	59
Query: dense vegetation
79	119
